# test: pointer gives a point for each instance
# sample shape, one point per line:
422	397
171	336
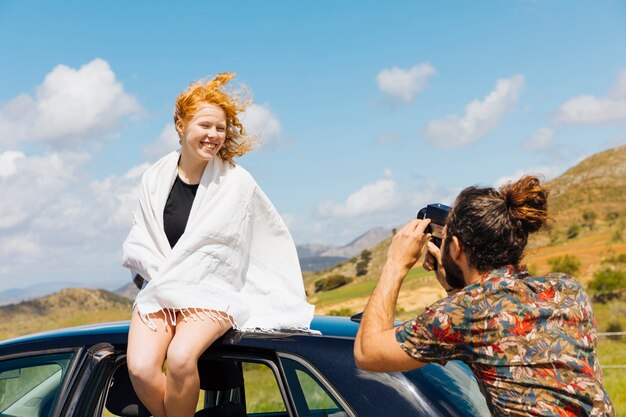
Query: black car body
81	372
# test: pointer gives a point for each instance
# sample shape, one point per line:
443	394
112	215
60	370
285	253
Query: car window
29	385
261	389
311	396
227	388
451	388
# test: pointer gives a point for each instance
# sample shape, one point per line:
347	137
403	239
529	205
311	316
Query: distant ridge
316	257
365	241
17	295
68	307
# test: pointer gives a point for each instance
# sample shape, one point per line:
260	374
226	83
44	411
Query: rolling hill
68	307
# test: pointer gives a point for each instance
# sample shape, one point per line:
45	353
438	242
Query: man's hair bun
527	202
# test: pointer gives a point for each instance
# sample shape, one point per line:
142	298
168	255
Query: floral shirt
530	341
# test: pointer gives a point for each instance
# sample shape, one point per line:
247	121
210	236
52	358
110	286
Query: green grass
417	277
612	352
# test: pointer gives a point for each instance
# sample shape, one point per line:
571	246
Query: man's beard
454	275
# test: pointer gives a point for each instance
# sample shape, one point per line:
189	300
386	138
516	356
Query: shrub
366	255
343	311
573	231
608	280
611	216
589	215
332	282
615	259
568	264
614	327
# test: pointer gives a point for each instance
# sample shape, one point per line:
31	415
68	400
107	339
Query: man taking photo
530	341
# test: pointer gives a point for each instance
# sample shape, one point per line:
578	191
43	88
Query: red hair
200	93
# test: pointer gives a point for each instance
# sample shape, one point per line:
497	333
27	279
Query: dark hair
493	225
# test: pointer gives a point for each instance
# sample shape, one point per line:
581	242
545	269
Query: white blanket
236	255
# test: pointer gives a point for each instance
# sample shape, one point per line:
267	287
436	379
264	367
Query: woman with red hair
212	249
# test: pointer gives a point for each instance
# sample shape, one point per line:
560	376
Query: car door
87	393
36	383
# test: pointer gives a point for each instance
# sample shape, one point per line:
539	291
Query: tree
361	266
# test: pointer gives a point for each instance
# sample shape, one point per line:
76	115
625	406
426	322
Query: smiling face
204	135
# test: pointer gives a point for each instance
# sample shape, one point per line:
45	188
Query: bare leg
182	381
145	356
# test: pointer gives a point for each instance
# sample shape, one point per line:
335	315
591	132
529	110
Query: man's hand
408	244
434	253
375	346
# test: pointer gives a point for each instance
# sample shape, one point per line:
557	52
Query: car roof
330	326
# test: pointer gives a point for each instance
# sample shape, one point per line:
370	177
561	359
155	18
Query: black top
177	208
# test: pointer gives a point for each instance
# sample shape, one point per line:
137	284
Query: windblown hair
200	93
493	225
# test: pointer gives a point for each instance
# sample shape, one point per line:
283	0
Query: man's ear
455	248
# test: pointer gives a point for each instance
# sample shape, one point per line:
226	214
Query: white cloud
382	203
34	183
20	245
480	118
404	84
164	144
117	197
587	109
541	140
261	122
377	197
70	106
545	172
55	218
8	163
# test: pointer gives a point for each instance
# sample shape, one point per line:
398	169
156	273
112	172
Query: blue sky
367	110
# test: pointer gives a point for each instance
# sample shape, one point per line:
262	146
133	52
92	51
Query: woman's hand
408	244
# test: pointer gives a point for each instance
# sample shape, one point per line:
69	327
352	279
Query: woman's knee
182	361
143	368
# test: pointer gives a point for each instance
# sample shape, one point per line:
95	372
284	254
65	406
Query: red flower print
569	411
445	335
547	295
523	327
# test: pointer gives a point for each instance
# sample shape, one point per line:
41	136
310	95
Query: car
81	372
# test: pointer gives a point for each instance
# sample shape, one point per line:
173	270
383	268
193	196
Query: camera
437	213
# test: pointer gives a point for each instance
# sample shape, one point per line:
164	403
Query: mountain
68	307
129	290
16	295
313	249
596	184
365	241
587	199
316	257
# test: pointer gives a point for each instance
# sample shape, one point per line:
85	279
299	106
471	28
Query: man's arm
376	347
